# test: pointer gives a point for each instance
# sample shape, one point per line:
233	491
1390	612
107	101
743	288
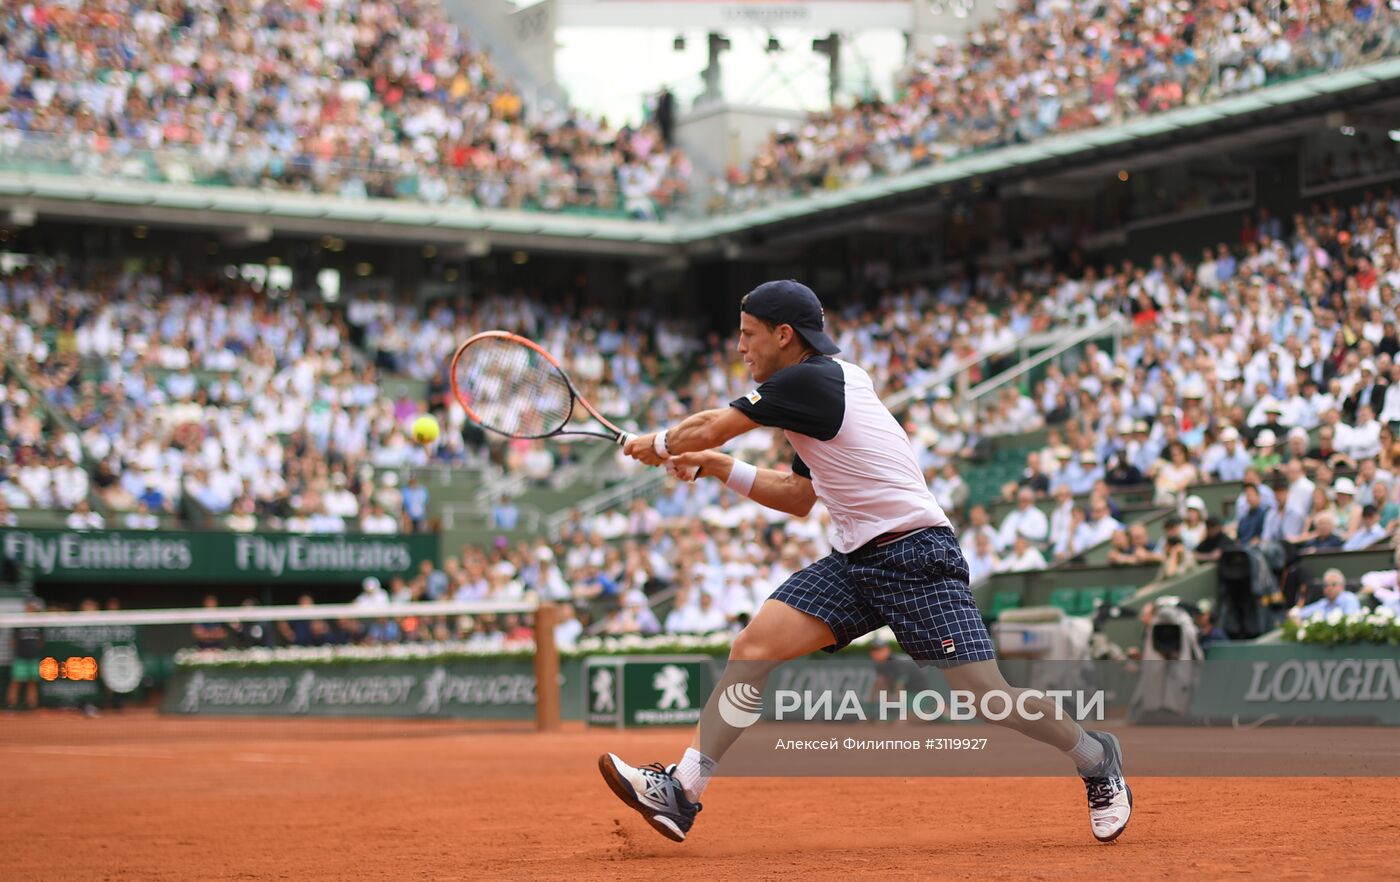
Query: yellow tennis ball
425	430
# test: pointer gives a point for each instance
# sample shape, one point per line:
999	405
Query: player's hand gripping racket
510	385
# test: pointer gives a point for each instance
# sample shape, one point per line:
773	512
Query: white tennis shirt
861	463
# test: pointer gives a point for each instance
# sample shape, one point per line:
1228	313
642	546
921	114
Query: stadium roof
257	213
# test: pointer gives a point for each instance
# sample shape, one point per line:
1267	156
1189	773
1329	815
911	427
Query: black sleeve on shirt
799	468
808	398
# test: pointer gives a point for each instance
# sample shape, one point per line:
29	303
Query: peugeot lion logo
740	705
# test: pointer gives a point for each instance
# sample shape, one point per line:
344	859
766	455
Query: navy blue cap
787	302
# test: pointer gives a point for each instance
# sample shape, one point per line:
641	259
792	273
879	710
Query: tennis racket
513	387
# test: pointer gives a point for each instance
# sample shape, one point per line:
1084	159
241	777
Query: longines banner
1277	683
127	555
494	690
1271	710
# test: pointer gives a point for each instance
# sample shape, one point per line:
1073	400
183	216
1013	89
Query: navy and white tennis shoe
654	792
1110	797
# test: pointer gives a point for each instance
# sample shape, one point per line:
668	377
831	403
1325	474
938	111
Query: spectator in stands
642	519
1061	519
1335	598
568	629
1267	458
982	560
1174	476
306	632
211	634
1323	535
1368	532
612	524
1147	550
1208	630
241	518
505	515
1177	559
436	582
377	521
246	634
1121	472
1298	504
1213	543
372	594
695	612
1032	476
1099	526
1122	551
140	518
1193	526
978	523
594	584
1023	557
1230	460
415	505
949	488
82	517
1025	520
1384	585
1346	513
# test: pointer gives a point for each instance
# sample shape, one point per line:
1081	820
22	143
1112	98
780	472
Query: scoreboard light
75	667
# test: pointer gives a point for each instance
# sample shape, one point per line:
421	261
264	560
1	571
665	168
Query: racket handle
683	473
623	438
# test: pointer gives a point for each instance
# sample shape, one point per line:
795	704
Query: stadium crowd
366	99
358	98
1272	362
1049	67
263	410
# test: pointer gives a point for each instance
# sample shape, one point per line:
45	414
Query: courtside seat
1065	599
1088	598
1004	600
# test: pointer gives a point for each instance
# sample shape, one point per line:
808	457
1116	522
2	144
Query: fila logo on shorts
948	647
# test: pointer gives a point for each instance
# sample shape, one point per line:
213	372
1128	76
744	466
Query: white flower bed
1378	626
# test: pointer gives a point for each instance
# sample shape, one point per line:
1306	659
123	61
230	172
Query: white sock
694	771
1087	753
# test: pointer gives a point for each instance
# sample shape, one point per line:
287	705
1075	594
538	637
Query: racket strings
513	389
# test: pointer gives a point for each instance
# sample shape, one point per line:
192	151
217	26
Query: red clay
133	796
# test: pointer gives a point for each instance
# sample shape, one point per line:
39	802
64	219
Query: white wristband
741	477
658	444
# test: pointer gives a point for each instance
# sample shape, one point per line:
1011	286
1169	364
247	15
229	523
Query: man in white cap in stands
1266	456
1083	474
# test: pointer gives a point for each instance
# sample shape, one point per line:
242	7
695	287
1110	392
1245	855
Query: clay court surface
134	796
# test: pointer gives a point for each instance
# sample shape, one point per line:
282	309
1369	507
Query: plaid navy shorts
918	585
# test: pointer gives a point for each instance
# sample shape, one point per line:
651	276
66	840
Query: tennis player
896	560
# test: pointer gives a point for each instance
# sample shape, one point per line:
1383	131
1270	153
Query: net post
546	669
